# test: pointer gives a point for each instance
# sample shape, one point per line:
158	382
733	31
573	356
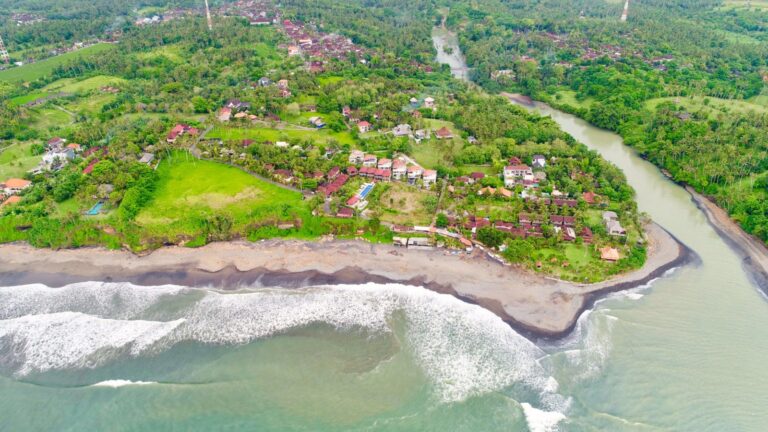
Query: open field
403	204
745	4
71	85
712	107
169	52
33	71
51	118
91	104
189	188
268	134
433	152
568	97
16	160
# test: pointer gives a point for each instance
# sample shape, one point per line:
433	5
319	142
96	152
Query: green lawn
325	80
33	71
17	160
267	134
190	188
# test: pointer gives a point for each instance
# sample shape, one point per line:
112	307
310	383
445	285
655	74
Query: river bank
752	251
535	305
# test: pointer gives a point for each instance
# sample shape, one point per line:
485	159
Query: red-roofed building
444	133
363	126
345	212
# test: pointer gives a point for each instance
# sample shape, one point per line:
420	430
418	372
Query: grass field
267	134
403	204
170	52
189	188
745	4
17	160
91	104
33	71
71	85
715	105
51	118
568	97
22	100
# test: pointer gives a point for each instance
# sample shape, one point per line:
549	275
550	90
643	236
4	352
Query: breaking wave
121	383
464	349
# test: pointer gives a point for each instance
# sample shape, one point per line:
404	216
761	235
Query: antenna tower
208	16
4	52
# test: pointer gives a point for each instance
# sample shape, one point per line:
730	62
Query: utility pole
208	16
4	52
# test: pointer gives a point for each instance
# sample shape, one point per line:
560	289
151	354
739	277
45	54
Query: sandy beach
538	306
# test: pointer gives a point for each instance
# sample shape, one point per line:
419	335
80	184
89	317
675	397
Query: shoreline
753	252
538	307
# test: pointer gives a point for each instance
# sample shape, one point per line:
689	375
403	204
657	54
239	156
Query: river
687	353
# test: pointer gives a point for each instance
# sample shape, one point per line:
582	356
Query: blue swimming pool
96	209
366	190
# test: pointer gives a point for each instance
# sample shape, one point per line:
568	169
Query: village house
236	105
293	50
147	158
444	133
14	186
57	158
370	160
476	176
179	130
414	102
317	122
363	126
74	147
402	130
385	164
609	254
225	114
399	169
414	173
514	172
345	212
264	82
539	161
356	157
56	143
429	102
421	134
429	177
612	224
14	199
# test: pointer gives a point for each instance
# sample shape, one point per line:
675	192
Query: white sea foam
109	300
464	349
121	383
66	340
540	420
